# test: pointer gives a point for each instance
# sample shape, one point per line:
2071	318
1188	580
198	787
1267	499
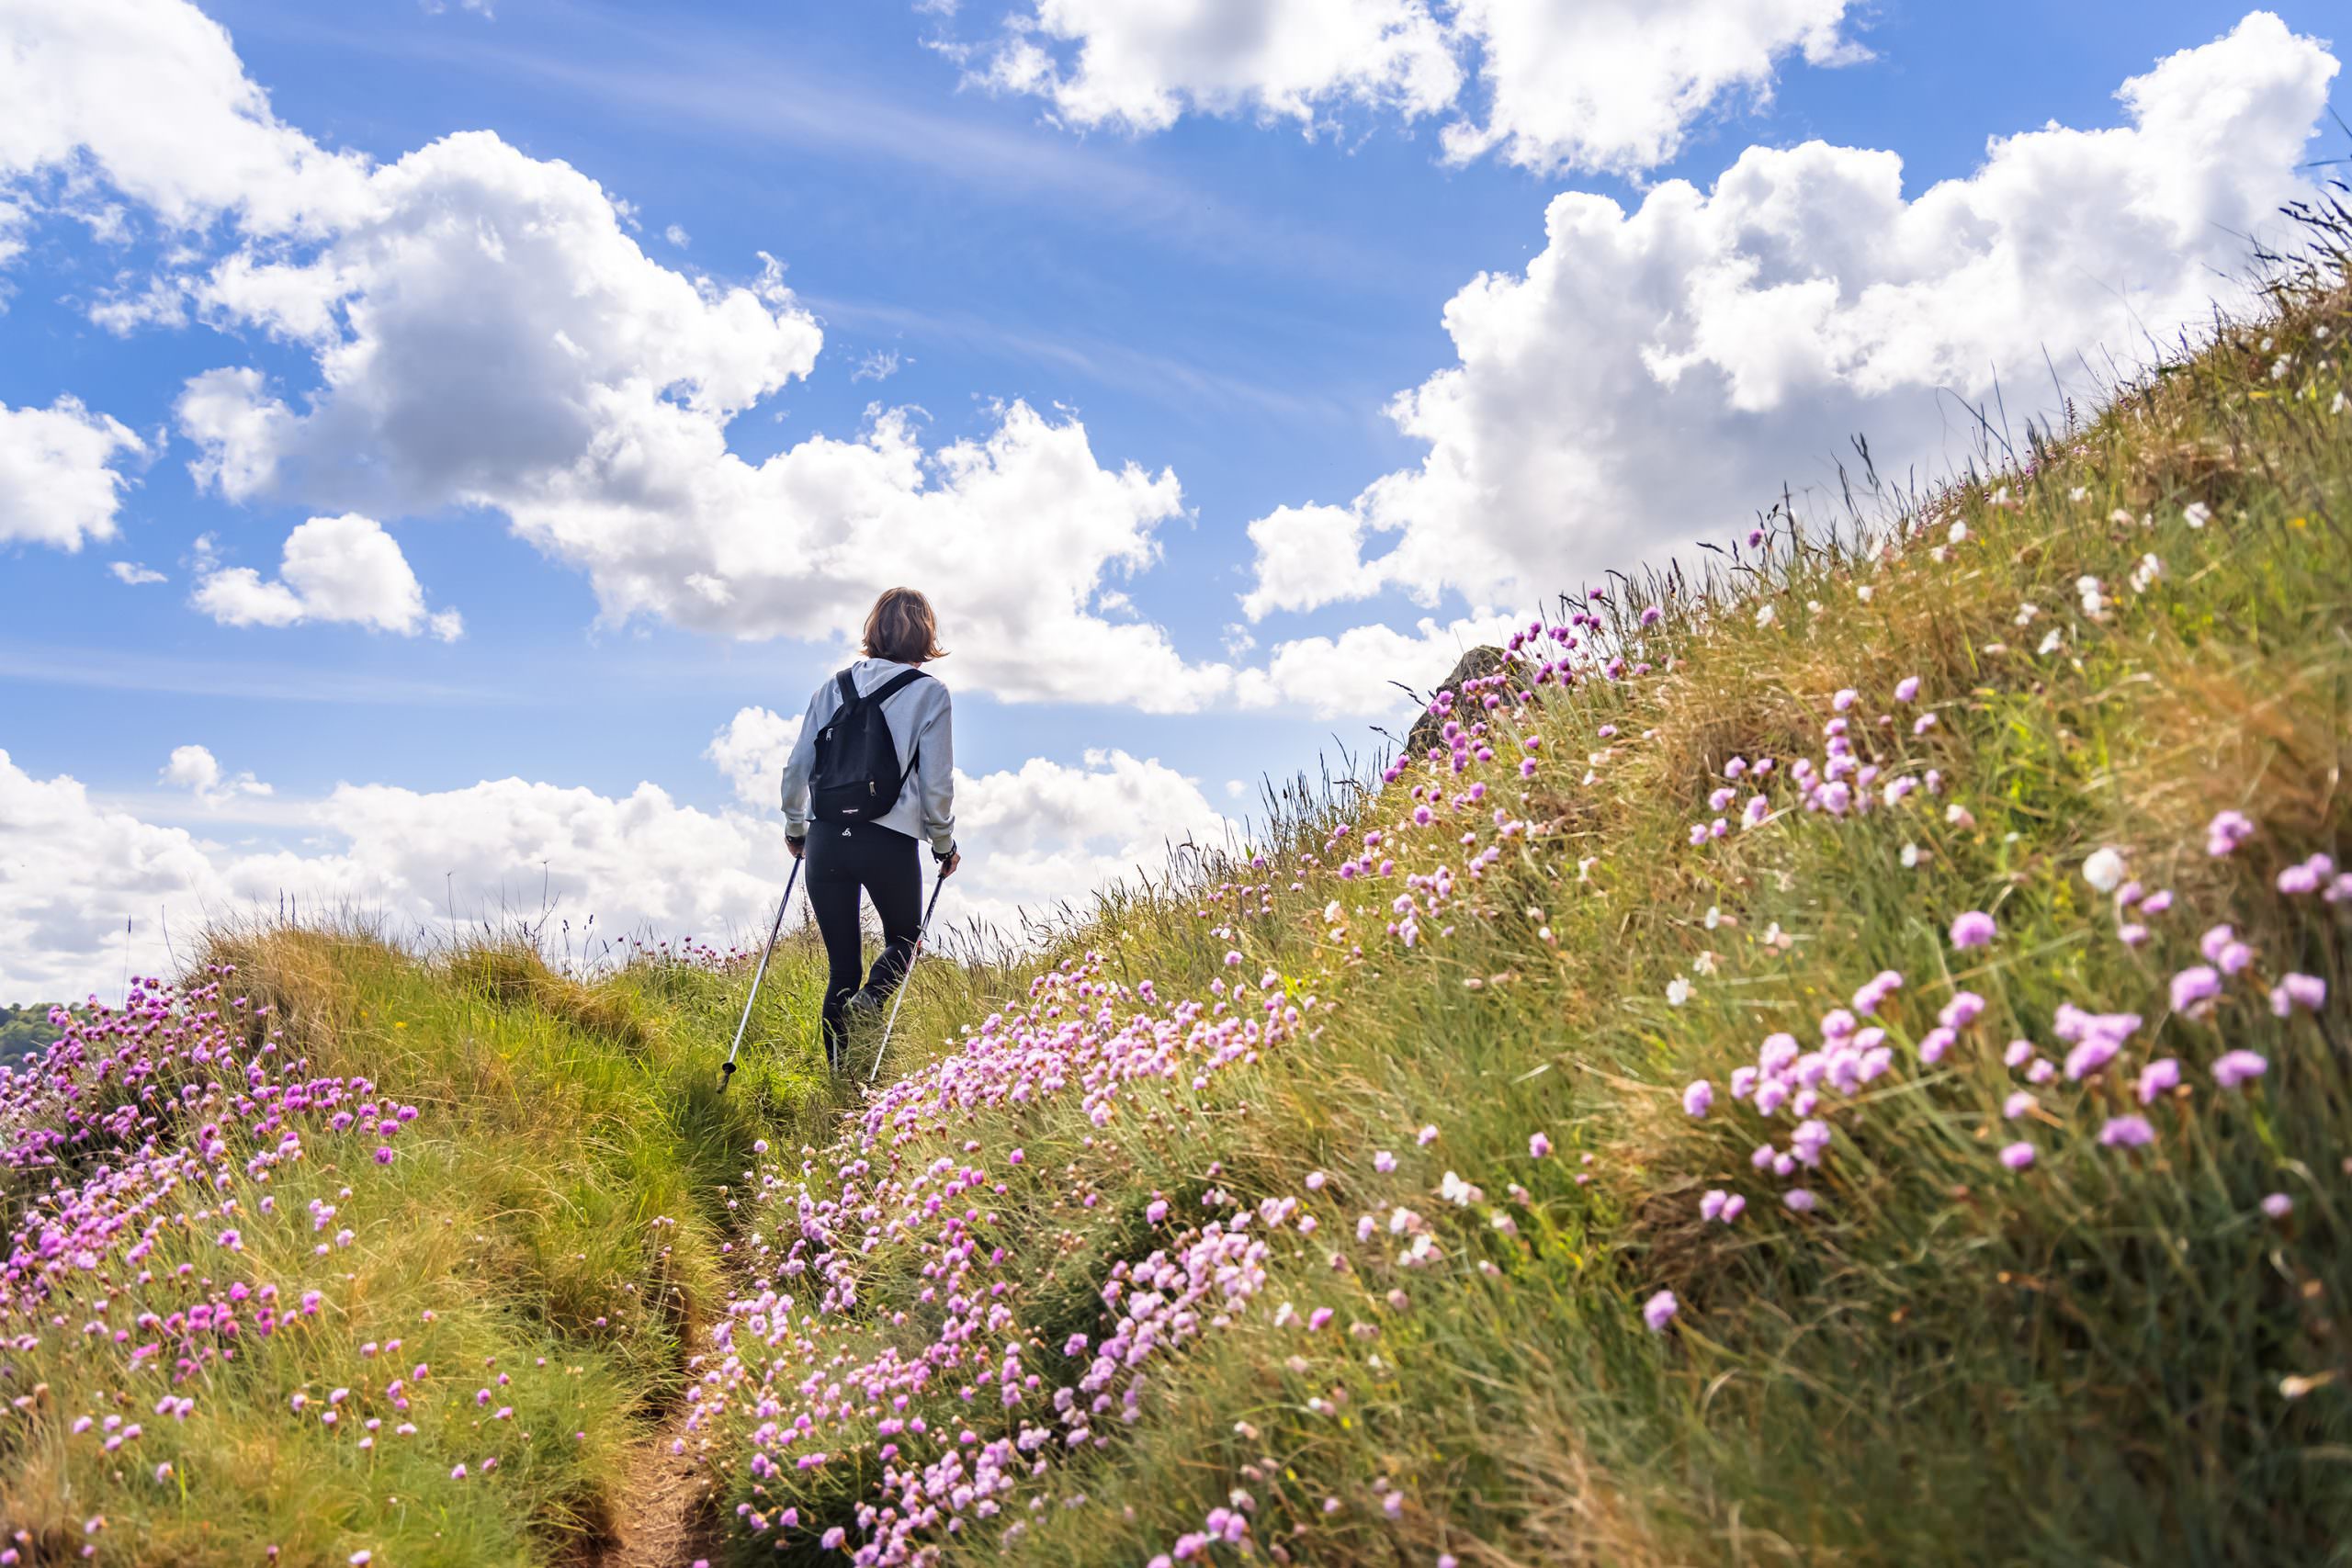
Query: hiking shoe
866	1003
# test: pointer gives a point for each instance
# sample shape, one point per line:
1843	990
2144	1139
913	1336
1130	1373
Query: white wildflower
2197	514
1678	991
2104	869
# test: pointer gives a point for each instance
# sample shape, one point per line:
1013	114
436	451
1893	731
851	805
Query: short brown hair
901	628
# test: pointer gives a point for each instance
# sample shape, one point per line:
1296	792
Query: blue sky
1227	298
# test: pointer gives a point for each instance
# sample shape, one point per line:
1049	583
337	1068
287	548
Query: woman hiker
871	779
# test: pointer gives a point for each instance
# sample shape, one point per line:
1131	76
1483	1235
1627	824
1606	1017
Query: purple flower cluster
878	1202
1854	776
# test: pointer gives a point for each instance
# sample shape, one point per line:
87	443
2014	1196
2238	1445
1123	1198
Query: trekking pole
921	933
727	1071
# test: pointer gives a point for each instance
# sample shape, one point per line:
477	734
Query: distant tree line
25	1028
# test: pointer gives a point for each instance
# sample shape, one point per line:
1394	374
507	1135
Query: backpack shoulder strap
848	688
895	684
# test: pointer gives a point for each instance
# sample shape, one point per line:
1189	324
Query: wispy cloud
109	669
699	77
1182	386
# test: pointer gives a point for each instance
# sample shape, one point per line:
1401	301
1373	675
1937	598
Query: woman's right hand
795	846
947	867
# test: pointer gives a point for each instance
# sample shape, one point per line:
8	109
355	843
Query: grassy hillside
1590	1144
292	1246
1752	1094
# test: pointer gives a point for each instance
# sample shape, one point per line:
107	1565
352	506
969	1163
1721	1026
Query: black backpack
857	777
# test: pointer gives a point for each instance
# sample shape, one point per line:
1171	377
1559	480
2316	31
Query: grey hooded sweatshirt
921	726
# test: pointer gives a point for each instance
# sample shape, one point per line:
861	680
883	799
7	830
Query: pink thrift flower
2194	989
1659	1309
1699	1097
2159	1077
2126	1133
2308	992
1974	929
2018	1102
1963	1010
2277	1205
2226	832
2018	1156
1800	1200
2310	876
2236	1068
1538	1145
1384	1162
1907	689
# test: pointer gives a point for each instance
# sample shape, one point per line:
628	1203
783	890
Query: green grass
2112	1356
558	1207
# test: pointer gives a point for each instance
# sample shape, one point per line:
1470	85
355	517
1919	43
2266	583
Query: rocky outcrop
1474	663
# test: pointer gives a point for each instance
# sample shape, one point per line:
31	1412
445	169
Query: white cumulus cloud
197	770
1655	375
751	752
57	482
153	97
484	334
1140	64
1552	84
1614	84
77	868
335	569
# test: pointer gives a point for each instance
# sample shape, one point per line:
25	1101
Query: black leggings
887	864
